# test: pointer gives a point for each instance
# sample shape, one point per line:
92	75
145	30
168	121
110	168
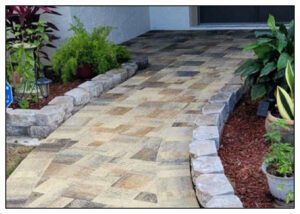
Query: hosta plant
272	51
285	101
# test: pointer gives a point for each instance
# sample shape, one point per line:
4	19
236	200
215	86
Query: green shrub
92	49
273	50
281	159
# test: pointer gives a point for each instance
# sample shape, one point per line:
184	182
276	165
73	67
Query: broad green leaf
258	91
285	104
263	33
271	23
282	60
250	47
281	41
271	66
262	51
291	29
290	77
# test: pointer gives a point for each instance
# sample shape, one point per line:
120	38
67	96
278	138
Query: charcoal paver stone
80	96
210	185
224	201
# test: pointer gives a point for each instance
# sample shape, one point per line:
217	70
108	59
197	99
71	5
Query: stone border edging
39	123
213	189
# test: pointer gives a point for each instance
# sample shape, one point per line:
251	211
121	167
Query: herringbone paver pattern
129	147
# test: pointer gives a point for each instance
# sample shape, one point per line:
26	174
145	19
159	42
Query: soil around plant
242	152
56	89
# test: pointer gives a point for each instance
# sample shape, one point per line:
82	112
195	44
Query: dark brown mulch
242	151
56	89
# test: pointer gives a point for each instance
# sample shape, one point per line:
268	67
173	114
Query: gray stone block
66	102
94	88
206	165
130	67
80	96
237	90
224	97
116	77
207	133
50	115
224	201
216	108
40	131
16	130
211	185
236	80
120	71
207	120
202	148
21	117
106	81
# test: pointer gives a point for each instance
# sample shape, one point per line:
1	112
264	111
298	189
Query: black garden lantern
44	86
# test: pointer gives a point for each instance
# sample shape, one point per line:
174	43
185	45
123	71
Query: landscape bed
242	151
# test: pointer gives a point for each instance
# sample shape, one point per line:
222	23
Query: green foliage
273	50
285	101
24	104
281	158
20	61
274	134
91	49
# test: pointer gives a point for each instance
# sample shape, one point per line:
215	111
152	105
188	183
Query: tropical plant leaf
282	60
263	33
263	51
285	104
281	41
258	91
271	23
290	77
269	67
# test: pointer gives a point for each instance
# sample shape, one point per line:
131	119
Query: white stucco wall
127	21
169	17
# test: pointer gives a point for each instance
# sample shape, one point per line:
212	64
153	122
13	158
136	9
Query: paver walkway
129	147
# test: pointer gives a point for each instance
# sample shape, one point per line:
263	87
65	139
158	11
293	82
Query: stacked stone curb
213	189
40	123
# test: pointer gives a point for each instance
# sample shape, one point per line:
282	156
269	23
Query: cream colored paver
129	147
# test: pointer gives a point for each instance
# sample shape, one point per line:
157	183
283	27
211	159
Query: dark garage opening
243	14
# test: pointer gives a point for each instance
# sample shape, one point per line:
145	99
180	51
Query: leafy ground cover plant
280	160
87	49
273	50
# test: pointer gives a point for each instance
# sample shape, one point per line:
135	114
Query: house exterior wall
169	17
127	21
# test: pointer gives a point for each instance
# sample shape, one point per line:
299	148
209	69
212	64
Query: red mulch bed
242	151
56	89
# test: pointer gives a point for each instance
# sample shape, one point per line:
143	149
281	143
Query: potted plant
278	166
86	54
285	107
